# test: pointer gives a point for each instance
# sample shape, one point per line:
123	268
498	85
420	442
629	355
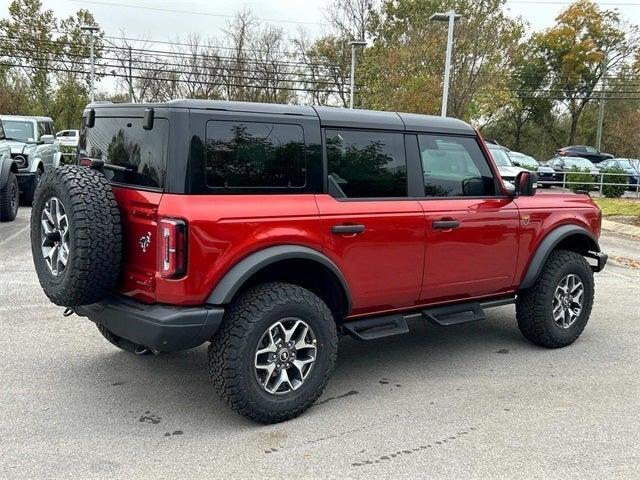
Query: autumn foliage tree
585	42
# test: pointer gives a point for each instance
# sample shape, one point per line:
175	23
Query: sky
147	18
171	20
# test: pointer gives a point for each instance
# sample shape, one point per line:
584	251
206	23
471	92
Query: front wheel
274	353
30	190
555	310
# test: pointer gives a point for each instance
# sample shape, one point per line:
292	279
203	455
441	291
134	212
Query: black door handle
346	229
445	224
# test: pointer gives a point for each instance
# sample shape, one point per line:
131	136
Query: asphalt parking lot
473	401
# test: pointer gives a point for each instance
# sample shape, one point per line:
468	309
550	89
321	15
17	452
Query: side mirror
48	139
526	183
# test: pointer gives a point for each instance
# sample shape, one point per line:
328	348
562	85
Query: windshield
525	160
629	163
18	130
500	157
578	162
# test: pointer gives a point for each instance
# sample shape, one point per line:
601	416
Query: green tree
44	51
403	69
575	49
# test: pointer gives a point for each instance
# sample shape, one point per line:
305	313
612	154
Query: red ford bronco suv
268	230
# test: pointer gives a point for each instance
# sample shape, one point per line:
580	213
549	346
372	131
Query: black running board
455	314
377	327
447	315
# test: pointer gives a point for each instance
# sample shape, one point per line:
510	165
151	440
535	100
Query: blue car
631	166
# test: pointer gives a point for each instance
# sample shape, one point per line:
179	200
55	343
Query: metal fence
597	182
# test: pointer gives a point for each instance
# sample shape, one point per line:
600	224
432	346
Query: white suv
33	147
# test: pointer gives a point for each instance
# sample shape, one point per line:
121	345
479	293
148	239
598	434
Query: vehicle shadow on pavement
150	389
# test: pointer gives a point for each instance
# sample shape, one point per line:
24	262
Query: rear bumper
601	260
158	327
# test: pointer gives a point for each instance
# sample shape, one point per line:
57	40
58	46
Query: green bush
614	191
68	159
577	175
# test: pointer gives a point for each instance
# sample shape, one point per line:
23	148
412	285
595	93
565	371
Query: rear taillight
172	254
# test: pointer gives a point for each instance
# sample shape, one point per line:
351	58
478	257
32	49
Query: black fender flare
231	282
547	245
8	165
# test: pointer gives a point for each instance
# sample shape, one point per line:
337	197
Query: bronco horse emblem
145	241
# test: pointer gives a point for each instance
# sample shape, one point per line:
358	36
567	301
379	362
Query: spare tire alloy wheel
55	235
76	235
285	356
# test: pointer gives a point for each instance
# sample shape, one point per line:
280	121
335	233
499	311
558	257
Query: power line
186	12
174	54
178	80
154	64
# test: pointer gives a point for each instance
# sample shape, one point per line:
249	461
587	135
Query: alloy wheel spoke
283	378
285	355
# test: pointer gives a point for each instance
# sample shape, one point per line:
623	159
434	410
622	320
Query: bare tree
350	18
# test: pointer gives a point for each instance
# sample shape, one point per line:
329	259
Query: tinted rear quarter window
255	155
454	167
123	142
366	164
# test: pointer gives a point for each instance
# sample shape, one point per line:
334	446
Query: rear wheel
555	310
9	199
274	353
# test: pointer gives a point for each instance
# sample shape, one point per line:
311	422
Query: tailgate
138	213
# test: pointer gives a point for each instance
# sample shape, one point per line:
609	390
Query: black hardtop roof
329	116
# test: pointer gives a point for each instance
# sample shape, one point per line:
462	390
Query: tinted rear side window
124	143
366	164
255	155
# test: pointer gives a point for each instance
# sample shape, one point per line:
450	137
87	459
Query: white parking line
619	275
18	233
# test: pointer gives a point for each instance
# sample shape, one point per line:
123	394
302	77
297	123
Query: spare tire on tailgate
76	235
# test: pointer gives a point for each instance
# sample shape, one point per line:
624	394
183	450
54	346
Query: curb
620	228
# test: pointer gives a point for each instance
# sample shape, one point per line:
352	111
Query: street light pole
91	29
601	107
450	16
353	66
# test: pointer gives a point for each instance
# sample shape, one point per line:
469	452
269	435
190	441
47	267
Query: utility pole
353	44
130	79
450	16
91	29
603	84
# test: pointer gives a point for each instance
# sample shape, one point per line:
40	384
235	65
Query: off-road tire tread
6	214
96	251
532	307
226	348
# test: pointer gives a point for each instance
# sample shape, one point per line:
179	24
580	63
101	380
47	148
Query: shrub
67	159
582	178
614	191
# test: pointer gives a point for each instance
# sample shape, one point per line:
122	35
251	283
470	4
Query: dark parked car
584	151
631	166
566	164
